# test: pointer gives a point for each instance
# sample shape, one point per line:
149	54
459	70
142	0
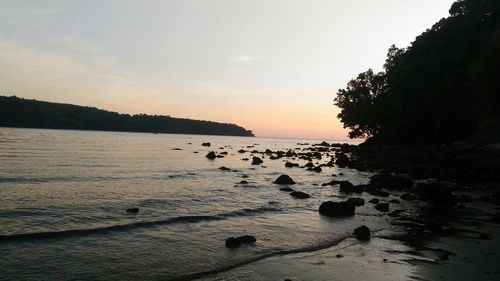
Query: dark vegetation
18	112
441	89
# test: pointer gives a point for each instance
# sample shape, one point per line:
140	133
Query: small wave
249	212
38	180
311	248
129	226
99	230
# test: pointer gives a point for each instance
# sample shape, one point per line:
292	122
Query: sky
271	66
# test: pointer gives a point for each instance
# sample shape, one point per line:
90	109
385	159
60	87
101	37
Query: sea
64	196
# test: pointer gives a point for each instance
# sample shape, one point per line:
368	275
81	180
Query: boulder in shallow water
317	169
206	144
348	187
224	168
132	210
299	195
408	196
232	242
211	155
342	160
324	143
337	209
362	233
383	207
256	161
356	201
374	200
288	189
309	165
291	165
395	213
284	179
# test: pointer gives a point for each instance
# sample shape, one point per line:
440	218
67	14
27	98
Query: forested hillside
442	88
18	112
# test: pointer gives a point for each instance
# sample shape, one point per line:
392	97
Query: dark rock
220	156
496	218
176	148
243	182
244	176
224	152
337	209
205	144
288	189
132	210
408	196
395	201
291	165
374	200
348	187
299	194
232	242
394	213
211	155
378	193
268	151
356	201
236	242
342	160
256	161
383	207
391	182
244	159
332	182
317	169
284	179
246	239
324	143
309	164
224	168
362	233
436	194
241	151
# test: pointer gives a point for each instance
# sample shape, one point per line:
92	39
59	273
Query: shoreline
461	251
444	241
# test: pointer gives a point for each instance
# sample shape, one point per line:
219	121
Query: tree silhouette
440	89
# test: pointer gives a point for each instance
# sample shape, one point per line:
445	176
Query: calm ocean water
63	195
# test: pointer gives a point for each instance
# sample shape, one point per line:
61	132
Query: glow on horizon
270	66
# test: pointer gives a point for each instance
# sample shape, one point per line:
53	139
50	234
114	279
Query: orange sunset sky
270	66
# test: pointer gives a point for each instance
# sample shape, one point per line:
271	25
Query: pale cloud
60	76
243	58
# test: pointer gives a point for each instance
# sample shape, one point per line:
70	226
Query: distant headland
26	113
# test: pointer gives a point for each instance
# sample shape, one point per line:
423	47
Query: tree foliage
17	112
440	89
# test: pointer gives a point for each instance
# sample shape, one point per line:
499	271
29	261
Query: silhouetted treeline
441	89
18	112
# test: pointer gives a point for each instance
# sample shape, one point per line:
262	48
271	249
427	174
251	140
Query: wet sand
466	249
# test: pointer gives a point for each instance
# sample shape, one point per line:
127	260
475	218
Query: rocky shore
455	190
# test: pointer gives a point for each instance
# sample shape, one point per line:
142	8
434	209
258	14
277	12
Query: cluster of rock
232	242
382	186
